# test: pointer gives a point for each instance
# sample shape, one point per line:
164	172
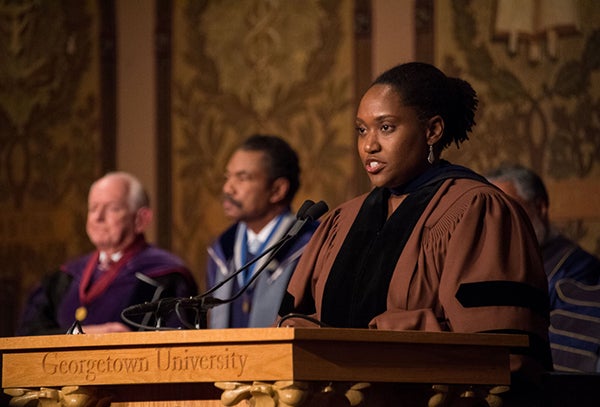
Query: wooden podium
262	367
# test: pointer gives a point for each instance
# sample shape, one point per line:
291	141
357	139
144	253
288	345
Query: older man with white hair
124	269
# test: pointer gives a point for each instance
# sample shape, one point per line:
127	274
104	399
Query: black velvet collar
357	286
441	170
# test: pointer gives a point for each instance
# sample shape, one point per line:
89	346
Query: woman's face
392	142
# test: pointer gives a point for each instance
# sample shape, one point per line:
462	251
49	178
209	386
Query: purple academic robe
51	307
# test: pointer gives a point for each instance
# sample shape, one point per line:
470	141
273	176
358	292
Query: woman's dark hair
281	160
428	90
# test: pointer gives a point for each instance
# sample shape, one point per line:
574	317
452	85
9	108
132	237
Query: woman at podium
433	246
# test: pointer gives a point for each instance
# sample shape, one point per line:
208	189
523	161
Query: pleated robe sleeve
471	264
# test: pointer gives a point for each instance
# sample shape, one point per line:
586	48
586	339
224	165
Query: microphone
317	210
308	211
157	293
314	212
292	231
163	304
306	205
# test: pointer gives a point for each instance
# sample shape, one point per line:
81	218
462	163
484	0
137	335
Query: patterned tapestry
536	68
49	139
276	67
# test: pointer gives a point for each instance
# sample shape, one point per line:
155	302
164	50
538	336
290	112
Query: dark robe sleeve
39	315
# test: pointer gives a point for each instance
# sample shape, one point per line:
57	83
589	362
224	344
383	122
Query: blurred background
166	89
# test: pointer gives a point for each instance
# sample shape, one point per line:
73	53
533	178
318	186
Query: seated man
124	270
261	180
573	275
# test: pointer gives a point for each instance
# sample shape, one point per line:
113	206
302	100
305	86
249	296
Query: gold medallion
81	313
245	306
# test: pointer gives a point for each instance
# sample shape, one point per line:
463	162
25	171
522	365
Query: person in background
261	180
573	274
123	270
433	246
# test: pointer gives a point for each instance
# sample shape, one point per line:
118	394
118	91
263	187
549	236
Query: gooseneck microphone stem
300	216
202	303
274	247
257	273
313	212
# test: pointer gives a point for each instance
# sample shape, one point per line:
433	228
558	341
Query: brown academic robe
470	232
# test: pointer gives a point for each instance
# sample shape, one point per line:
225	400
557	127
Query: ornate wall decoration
543	112
258	66
49	139
536	24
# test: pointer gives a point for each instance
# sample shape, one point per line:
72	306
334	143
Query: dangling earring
430	156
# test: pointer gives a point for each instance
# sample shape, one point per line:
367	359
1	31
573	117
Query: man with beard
261	180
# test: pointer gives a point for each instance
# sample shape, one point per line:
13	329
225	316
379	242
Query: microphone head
305	207
146	279
200	302
317	210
